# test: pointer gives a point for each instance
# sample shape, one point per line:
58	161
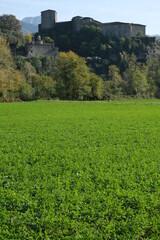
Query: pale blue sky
145	12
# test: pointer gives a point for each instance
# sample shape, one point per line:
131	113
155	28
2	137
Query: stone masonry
38	48
115	29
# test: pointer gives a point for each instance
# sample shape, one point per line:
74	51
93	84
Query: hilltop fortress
49	25
115	29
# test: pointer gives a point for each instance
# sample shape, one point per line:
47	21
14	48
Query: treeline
71	77
44	78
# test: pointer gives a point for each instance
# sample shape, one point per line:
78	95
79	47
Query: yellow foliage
28	37
72	76
6	59
10	81
10	78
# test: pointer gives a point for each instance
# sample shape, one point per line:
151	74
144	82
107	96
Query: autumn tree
96	84
135	78
114	75
28	37
44	86
10	78
6	60
152	68
113	86
72	76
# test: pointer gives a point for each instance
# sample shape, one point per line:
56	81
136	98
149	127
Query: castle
39	48
115	29
49	24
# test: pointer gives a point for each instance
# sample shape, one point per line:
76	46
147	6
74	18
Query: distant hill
28	27
32	20
30	24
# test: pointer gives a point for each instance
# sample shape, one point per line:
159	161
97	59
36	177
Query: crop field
80	170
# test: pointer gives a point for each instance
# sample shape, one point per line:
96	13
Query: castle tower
48	20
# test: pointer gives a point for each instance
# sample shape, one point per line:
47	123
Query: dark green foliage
38	75
26	92
9	22
64	43
90	42
44	65
10	28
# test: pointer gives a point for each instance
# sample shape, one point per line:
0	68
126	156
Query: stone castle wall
115	29
44	49
137	29
80	22
62	27
48	20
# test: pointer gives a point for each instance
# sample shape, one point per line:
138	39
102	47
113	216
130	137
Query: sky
145	12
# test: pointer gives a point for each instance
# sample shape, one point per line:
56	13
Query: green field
80	170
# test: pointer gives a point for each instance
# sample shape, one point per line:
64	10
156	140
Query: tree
10	28
63	42
96	86
48	40
28	37
25	67
26	92
10	78
114	75
137	84
44	86
9	22
72	76
29	71
10	82
48	66
36	62
152	68
6	60
114	84
135	78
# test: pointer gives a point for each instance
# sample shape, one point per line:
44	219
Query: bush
26	92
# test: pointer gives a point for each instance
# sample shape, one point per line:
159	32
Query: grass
80	170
